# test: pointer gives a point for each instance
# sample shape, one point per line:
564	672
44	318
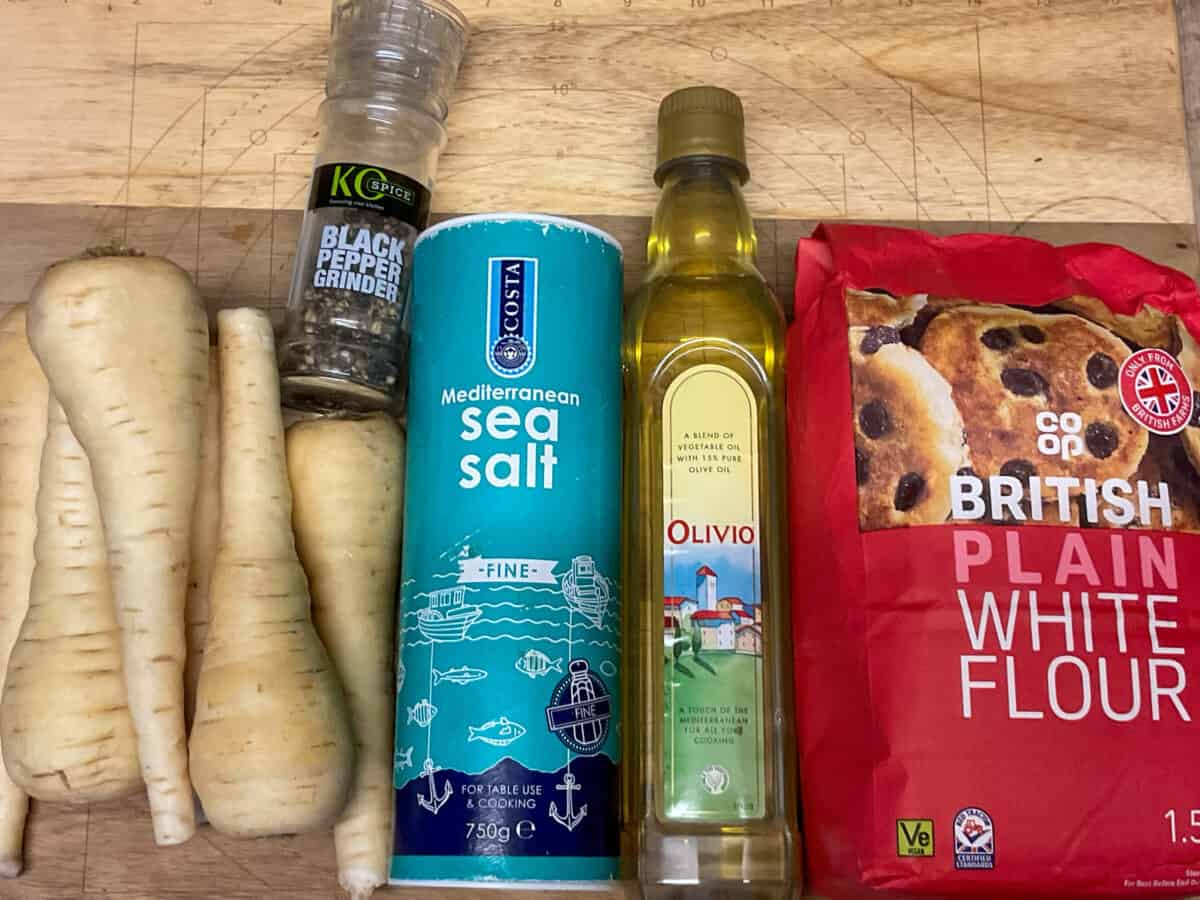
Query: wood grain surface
187	127
955	110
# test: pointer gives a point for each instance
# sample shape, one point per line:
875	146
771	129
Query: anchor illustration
434	802
571	819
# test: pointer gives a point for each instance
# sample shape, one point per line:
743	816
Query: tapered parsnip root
206	520
64	722
23	399
271	747
348	486
124	343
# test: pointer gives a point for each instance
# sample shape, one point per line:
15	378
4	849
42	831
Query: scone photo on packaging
996	564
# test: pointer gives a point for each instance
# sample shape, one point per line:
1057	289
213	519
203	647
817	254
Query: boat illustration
586	590
498	732
448	616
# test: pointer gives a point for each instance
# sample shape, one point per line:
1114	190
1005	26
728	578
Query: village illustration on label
713	691
477	739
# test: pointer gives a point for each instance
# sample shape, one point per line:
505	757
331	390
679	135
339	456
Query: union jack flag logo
1158	390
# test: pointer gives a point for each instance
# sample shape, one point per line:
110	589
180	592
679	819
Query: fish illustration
499	732
404	760
422	713
535	664
607	668
459	675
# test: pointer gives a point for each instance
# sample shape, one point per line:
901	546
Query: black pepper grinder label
346	313
366	219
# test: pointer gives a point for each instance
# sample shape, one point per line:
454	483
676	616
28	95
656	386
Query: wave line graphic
511	605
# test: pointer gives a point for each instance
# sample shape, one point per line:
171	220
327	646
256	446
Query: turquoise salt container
507	718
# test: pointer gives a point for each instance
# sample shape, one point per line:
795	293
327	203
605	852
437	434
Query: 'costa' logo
1155	391
512	316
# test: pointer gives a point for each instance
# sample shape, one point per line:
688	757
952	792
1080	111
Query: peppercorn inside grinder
392	67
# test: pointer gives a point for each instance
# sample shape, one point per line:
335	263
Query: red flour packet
996	567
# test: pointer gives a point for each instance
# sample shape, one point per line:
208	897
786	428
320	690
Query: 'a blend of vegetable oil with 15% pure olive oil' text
711	798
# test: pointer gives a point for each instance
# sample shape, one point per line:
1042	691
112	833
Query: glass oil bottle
710	797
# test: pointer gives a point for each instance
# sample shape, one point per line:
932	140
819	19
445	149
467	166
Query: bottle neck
702	223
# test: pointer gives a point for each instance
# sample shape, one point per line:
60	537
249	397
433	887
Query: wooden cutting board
187	128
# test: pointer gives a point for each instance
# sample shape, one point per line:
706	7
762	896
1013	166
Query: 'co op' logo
1059	435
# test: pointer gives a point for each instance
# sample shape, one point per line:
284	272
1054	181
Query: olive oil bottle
710	798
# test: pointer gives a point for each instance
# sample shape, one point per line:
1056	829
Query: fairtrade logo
1155	391
974	840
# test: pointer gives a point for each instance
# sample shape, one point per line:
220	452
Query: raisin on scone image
882	308
1006	365
908	434
1189	358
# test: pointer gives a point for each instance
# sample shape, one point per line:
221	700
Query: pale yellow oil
704	301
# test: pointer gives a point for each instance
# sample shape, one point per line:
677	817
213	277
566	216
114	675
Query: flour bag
996	567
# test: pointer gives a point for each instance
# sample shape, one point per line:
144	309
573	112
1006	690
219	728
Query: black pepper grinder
392	66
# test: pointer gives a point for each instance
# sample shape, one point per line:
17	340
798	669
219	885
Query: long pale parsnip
272	751
64	721
348	485
124	342
206	521
23	399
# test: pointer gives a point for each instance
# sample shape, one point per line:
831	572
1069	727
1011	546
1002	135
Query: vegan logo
512	316
1155	391
914	837
974	840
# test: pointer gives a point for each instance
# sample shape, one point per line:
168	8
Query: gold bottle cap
701	121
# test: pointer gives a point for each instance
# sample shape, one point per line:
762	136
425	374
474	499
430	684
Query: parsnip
271	747
64	722
23	400
206	521
348	484
124	342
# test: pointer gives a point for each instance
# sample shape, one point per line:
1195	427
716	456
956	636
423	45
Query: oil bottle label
713	754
